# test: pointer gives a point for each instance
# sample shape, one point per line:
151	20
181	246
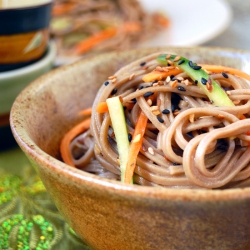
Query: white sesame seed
151	151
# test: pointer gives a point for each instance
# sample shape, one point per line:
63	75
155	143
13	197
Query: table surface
27	214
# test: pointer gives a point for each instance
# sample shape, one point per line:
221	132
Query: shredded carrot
219	69
62	8
162	20
103	35
135	146
102	107
159	75
86	111
68	137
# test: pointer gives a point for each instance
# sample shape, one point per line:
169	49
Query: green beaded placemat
28	217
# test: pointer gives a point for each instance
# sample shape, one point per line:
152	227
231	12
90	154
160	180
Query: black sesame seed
224	74
141	87
134	100
181	62
203	81
172	77
160	119
106	83
194	66
165	111
129	137
181	88
195	81
175	164
114	91
148	94
142	64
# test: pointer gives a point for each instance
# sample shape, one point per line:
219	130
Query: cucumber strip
119	125
215	93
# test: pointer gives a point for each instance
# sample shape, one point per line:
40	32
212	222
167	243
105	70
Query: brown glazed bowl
109	215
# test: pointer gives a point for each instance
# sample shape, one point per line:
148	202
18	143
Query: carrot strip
87	111
159	75
135	146
219	69
103	35
102	107
68	137
62	8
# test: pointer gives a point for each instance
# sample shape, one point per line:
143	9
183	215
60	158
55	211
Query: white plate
193	22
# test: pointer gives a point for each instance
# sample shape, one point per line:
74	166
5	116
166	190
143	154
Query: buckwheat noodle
194	145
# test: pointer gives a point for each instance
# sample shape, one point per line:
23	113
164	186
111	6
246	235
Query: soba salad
167	121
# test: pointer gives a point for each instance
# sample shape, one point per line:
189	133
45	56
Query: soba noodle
194	144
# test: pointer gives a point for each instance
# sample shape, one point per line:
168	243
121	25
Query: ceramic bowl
108	214
24	32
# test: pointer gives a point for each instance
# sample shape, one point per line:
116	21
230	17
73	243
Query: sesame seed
224	74
177	58
203	81
194	66
165	69
142	64
159	68
165	111
131	76
151	151
181	62
187	82
236	102
149	102
170	62
147	94
152	108
114	91
209	86
106	83
160	119
220	116
196	82
191	118
174	84
168	79
168	56
141	87
180	88
134	100
129	137
137	138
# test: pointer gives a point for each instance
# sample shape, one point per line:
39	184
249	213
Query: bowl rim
82	178
26	7
48	57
